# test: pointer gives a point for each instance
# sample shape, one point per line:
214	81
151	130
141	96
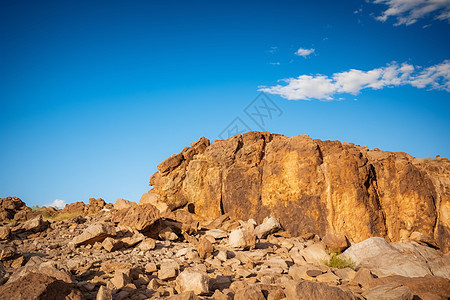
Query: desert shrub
35	207
61	217
339	261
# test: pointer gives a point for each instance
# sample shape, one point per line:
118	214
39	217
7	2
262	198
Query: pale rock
36	225
268	226
243	237
168	270
299	290
110	244
217	233
120	279
190	280
390	292
410	260
147	244
122	203
94	233
315	254
104	293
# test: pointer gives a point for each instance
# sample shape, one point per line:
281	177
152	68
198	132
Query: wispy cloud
274	63
304	52
58	203
323	87
408	12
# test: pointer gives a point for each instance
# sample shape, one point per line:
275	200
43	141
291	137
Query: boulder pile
137	252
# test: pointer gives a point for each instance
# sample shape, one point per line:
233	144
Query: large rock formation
310	186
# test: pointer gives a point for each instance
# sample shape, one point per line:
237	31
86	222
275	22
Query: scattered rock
39	286
204	247
111	244
269	225
314	290
243	237
139	217
168	270
94	233
147	244
249	292
335	242
104	293
5	233
123	204
389	291
190	280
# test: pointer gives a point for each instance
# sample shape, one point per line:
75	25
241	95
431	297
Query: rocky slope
310	186
129	251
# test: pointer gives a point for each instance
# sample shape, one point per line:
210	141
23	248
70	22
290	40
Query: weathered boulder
190	280
412	260
39	286
10	206
94	233
310	186
298	289
268	226
104	293
36	225
204	247
94	206
122	203
139	217
243	237
249	292
5	232
335	242
390	292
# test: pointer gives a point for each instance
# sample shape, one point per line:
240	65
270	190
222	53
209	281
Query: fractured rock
268	226
94	233
243	237
204	247
335	242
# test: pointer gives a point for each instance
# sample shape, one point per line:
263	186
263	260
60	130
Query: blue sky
94	94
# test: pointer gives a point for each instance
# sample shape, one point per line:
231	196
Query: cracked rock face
310	186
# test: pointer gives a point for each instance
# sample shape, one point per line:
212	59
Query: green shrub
340	262
35	207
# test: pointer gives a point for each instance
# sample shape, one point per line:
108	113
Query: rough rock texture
310	186
39	286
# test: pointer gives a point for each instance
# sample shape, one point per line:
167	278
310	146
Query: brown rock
95	205
335	242
111	244
389	291
122	203
314	290
168	270
310	186
249	292
139	217
121	278
204	247
104	293
190	280
75	208
243	237
364	278
94	233
147	244
5	233
36	225
10	206
39	286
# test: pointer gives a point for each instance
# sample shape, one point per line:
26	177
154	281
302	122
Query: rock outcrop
310	186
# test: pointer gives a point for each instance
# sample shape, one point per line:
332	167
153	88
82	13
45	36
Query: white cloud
58	203
408	12
304	52
322	87
274	63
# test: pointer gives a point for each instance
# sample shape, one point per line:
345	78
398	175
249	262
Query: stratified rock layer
310	186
